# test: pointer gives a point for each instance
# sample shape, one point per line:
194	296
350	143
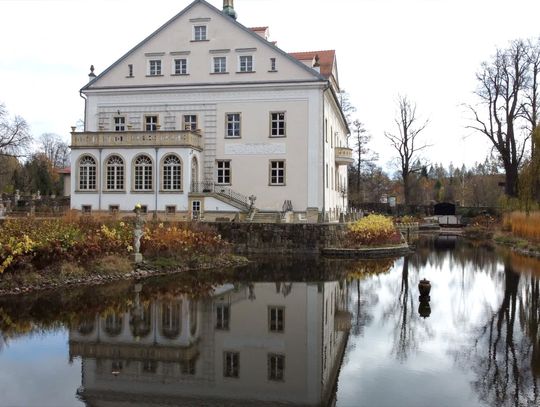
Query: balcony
344	156
176	138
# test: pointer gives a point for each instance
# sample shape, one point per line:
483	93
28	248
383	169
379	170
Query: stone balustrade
174	138
344	156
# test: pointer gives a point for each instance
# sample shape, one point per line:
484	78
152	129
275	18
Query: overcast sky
428	50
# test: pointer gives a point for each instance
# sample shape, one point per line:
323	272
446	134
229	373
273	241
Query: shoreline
140	271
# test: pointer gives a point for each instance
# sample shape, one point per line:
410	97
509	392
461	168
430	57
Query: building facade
206	117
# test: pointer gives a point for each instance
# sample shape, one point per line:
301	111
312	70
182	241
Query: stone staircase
265	217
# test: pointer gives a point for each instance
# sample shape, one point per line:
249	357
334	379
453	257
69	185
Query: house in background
206	117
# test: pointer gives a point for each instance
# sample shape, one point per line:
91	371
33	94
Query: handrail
221	190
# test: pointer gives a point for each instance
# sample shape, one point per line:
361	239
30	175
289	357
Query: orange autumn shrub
521	224
373	230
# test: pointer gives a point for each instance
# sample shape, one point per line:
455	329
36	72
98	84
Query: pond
309	331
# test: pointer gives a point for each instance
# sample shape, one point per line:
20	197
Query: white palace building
208	118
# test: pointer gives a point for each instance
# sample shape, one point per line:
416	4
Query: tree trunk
511	181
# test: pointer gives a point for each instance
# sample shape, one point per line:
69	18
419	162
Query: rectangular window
277	172
86	208
220	64
170	209
190	122
222	316
224	172
180	66
231	364
273	64
233	125
151	123
246	63
119	123
155	67
276	319
199	33
196	209
276	367
144	208
113	209
277	124
130	70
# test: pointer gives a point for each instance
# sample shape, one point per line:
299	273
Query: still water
313	332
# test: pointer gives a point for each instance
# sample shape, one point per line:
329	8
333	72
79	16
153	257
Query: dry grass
523	225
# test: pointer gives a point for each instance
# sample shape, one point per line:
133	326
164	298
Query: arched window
87	173
115	173
171	319
172	173
143	173
113	324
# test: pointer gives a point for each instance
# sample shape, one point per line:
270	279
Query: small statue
137	234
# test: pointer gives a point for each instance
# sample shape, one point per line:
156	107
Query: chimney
228	9
91	75
316	64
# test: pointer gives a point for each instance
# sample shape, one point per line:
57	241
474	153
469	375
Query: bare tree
532	97
503	83
15	136
56	150
406	142
346	106
363	153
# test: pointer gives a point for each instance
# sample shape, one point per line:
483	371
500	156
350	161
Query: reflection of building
265	342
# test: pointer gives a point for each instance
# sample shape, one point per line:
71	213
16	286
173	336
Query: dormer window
246	63
199	33
154	67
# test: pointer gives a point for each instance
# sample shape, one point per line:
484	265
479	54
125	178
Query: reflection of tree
505	352
408	330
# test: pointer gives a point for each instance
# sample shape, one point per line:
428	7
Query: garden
36	252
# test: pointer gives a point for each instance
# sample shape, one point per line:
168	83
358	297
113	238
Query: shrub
373	230
523	225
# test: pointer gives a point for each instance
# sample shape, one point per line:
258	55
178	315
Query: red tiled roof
258	28
63	170
326	59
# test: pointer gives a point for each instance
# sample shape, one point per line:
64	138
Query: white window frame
221	67
143	174
119	123
245	62
115	173
277	325
231	364
87	173
223	172
200	33
278	124
180	66
233	125
275	372
223	316
190	125
154	67
150	124
277	173
171	178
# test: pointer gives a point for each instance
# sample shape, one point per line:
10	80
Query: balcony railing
176	138
344	156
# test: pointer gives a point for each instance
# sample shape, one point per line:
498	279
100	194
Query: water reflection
479	346
294	331
258	342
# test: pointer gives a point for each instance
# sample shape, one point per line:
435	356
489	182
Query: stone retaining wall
282	238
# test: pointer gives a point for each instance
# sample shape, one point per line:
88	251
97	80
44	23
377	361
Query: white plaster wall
127	199
223	35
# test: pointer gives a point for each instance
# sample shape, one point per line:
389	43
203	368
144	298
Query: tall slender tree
407	143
